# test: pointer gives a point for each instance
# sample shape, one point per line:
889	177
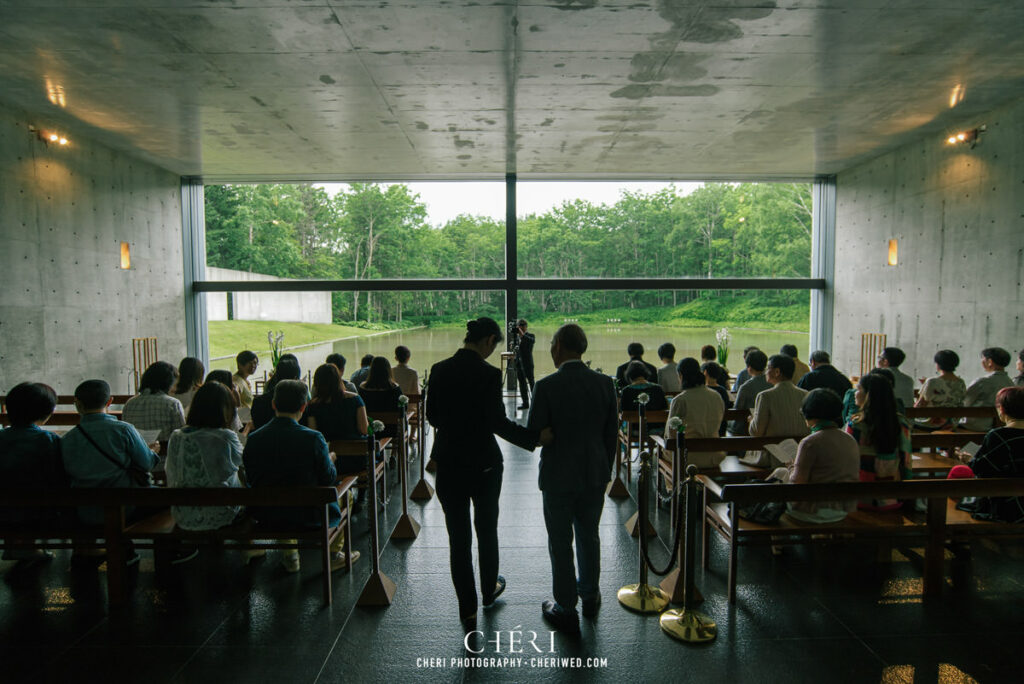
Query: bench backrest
170	496
742	494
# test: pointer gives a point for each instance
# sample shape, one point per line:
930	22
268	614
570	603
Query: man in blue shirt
102	449
283	453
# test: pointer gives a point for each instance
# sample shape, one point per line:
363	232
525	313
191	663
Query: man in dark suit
579	405
283	453
464	405
824	374
524	362
636	353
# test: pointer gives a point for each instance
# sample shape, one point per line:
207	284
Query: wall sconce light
968	137
893	253
126	256
48	136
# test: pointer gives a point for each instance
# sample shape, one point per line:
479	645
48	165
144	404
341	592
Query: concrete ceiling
280	89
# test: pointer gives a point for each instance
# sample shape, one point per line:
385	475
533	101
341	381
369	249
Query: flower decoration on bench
643	398
376	426
403	400
676	423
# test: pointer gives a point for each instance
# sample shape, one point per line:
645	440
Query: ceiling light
967	136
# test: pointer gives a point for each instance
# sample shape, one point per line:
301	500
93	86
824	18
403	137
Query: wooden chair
357	447
630	437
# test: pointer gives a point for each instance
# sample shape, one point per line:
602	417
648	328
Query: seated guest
339	361
756	383
30	456
364	370
636	374
744	374
824	375
1019	380
262	405
309	464
224	378
882	434
827	455
777	410
799	367
668	375
101	450
850	398
153	408
407	378
1002	455
712	371
246	362
708	354
379	392
636	353
945	389
892	358
701	410
190	378
982	391
206	453
336	414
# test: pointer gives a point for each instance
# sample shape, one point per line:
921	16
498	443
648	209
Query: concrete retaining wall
958	216
67	310
294	307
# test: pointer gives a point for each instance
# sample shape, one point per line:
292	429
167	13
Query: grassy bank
227	338
732	312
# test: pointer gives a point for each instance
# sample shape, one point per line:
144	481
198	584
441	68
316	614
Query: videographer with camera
522	346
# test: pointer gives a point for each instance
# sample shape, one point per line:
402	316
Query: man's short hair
947	360
894	355
747	350
822	404
246	357
1010	400
708	353
28	402
93	394
636	369
366	360
784	364
290	396
572	339
635	349
667	351
337	360
402	353
710	368
820	356
789	350
522	323
996	355
756	360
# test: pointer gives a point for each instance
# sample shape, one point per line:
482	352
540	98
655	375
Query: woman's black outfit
381	401
465	408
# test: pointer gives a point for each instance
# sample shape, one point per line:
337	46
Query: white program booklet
971	449
149	436
785	451
244	414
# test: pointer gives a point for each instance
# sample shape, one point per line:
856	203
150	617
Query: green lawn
227	338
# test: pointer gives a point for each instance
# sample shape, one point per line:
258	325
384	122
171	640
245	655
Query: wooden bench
115	535
630	436
723	502
357	447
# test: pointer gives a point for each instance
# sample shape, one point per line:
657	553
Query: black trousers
456	488
525	375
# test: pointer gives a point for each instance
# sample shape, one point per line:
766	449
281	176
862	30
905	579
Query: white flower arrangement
675	423
724	338
275	345
403	400
643	398
376	426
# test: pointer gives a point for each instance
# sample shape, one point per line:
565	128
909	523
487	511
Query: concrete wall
296	307
958	216
67	311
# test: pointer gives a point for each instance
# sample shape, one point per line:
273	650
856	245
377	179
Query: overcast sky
447	200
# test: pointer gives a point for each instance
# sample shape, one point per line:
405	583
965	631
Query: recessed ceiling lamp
967	137
48	136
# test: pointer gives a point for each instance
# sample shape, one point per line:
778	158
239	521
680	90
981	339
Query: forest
370	231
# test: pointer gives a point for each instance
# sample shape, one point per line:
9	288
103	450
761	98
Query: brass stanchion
422	491
379	589
407	526
633	524
687	624
642	597
674	583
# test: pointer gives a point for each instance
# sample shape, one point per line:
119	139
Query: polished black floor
818	615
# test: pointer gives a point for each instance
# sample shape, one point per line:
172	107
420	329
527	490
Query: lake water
607	346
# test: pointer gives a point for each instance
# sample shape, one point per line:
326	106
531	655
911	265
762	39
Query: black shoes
591	606
561	619
488	602
469	624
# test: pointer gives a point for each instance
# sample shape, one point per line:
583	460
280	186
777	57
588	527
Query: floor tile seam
849	629
205	643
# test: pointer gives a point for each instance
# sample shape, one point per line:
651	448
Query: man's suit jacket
526	343
579	405
464	406
777	411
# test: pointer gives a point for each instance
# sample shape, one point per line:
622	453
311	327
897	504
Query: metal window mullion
823	262
193	235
